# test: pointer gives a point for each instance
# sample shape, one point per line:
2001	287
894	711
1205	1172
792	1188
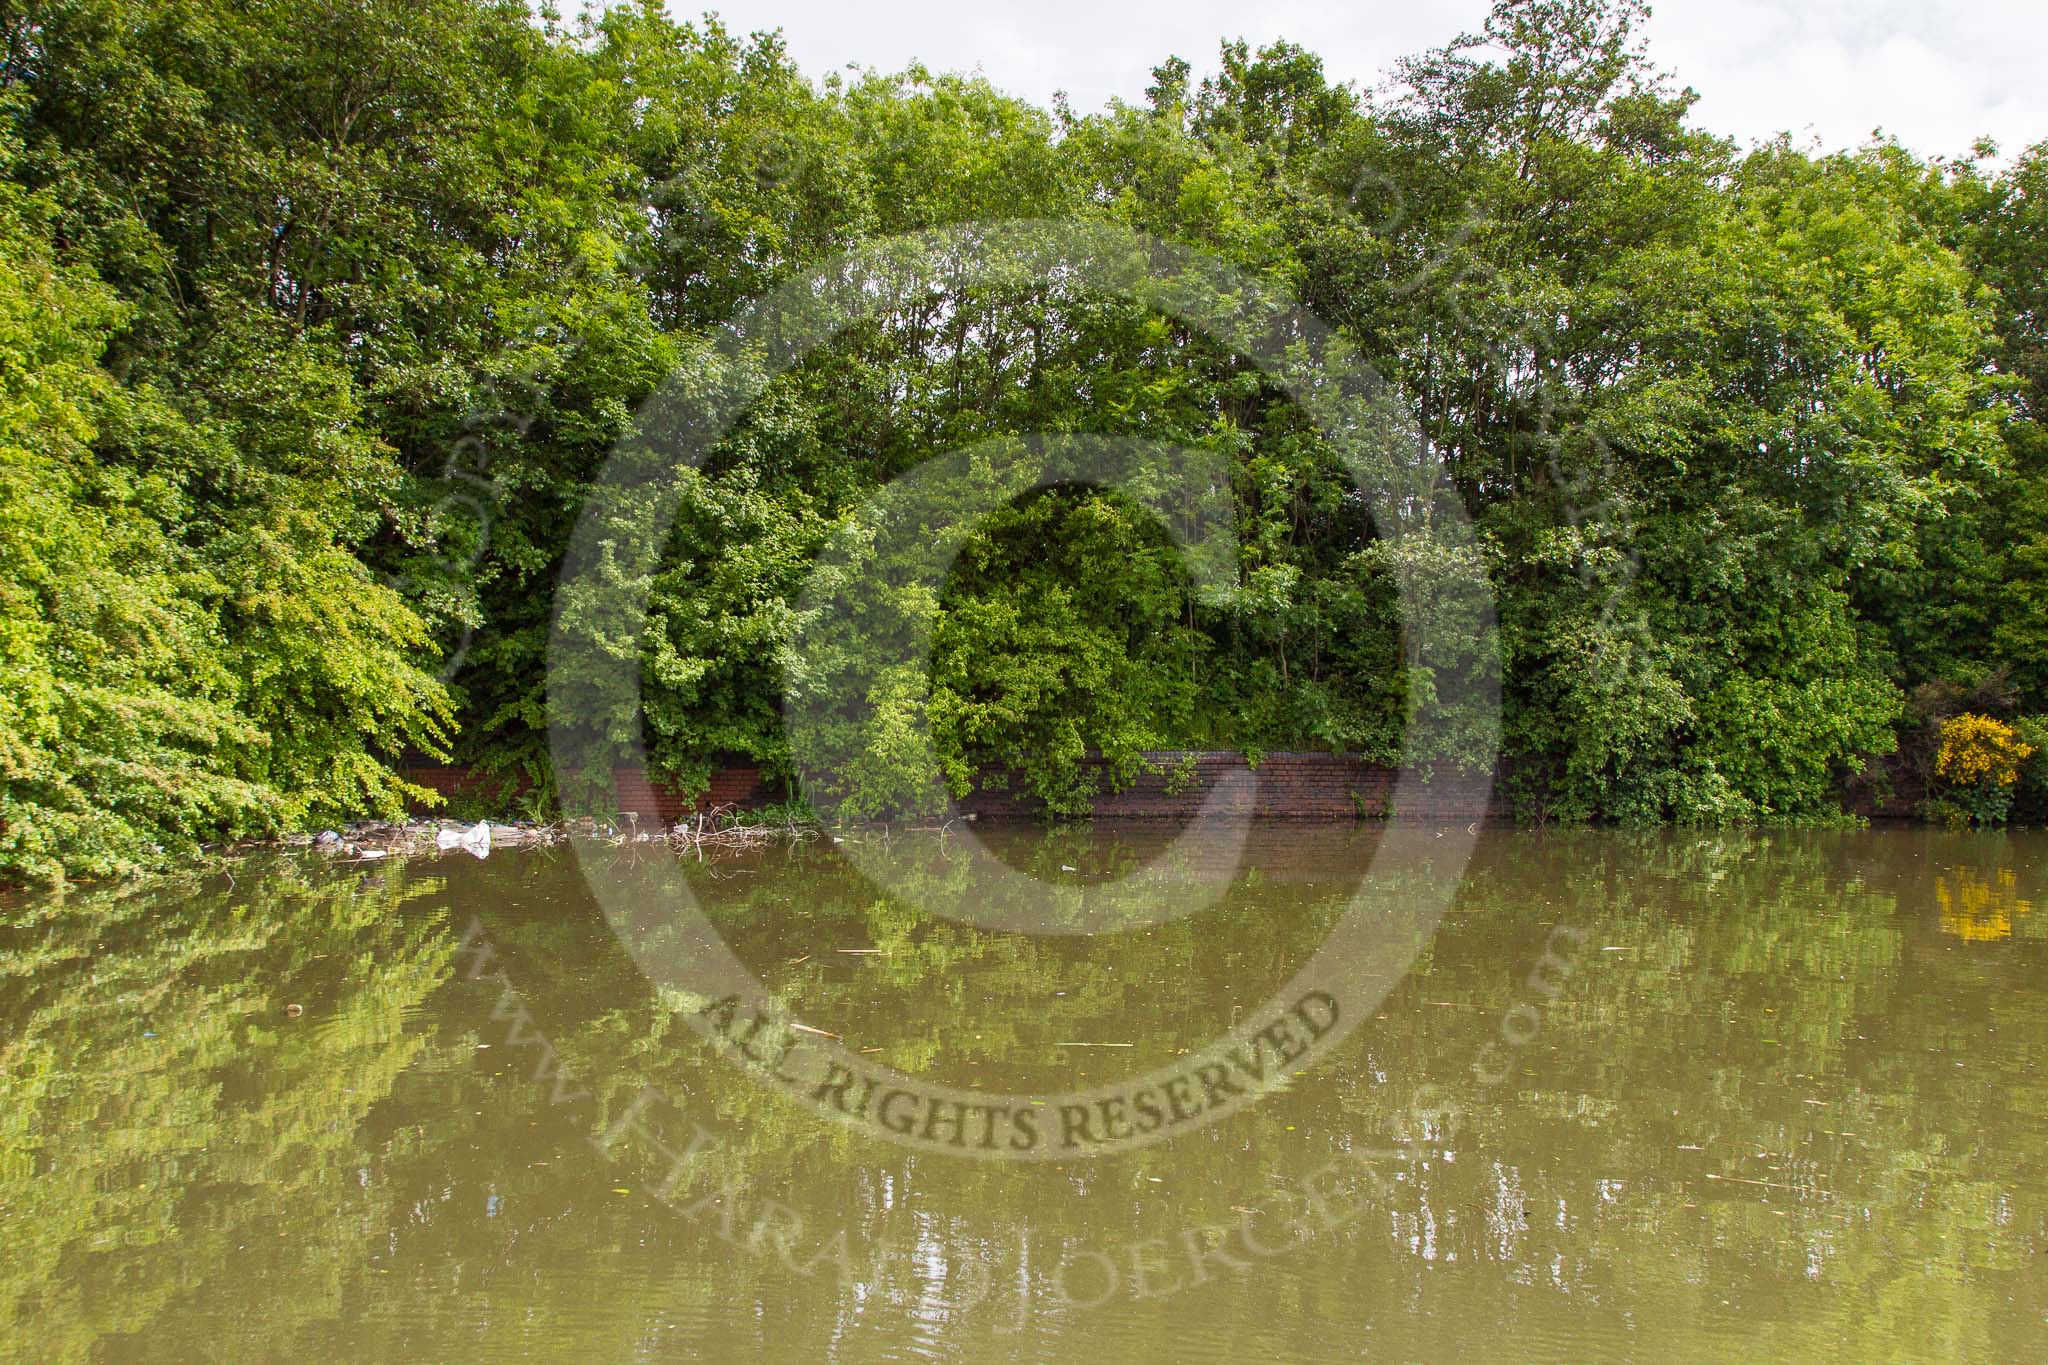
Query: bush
1979	765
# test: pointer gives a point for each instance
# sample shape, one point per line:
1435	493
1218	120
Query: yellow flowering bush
1980	762
1975	747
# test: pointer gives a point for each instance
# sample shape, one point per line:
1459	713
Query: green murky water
1773	1097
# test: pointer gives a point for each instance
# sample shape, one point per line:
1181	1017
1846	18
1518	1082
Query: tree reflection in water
1789	1102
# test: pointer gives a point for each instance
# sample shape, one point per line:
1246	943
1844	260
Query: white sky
1937	74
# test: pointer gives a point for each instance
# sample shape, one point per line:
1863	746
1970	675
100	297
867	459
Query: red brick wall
453	781
1285	786
655	803
660	805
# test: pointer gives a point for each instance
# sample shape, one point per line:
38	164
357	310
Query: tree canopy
319	319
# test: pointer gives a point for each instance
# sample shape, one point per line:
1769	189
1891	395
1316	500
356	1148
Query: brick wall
1284	786
457	781
656	804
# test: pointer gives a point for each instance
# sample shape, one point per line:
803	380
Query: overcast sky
1937	74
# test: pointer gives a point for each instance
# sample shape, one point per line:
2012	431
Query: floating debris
476	839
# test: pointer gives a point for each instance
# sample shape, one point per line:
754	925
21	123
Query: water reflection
1786	1099
178	1147
1979	910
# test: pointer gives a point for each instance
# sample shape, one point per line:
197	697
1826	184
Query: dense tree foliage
318	320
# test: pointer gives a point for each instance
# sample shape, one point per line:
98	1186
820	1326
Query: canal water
1628	1097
